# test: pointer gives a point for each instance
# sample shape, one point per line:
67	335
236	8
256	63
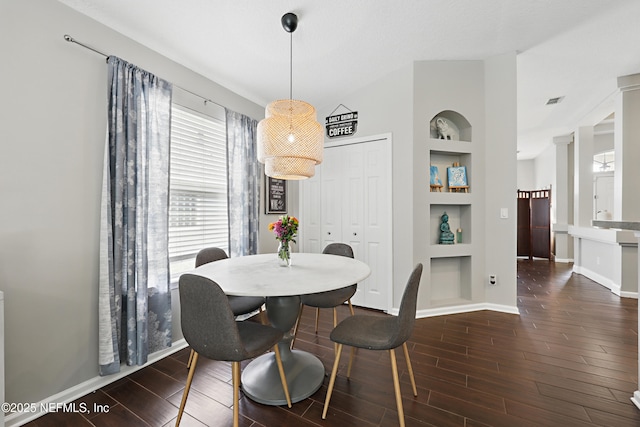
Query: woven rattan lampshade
289	137
290	140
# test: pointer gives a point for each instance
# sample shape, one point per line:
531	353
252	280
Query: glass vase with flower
285	230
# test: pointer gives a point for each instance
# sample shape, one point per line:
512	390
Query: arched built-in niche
451	125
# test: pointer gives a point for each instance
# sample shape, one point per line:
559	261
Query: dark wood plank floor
569	359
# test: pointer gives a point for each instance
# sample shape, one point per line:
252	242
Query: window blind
198	215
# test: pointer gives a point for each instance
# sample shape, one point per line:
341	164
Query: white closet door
310	239
331	203
377	243
352	197
355	204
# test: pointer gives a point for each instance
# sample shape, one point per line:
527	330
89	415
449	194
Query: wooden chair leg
235	374
263	316
396	386
187	387
317	318
410	368
332	381
335	323
283	379
351	307
352	355
295	328
190	358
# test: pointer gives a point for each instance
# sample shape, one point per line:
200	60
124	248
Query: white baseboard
564	260
604	281
466	308
626	294
89	386
462	308
636	398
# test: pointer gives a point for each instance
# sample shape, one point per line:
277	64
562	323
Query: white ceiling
569	48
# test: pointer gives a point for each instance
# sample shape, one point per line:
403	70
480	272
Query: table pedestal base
261	380
304	371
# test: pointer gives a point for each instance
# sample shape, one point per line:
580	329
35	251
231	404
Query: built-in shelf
450	302
444	251
450	147
438	198
450	279
453	153
459	217
458	127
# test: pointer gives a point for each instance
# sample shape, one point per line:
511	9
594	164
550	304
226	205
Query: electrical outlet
493	280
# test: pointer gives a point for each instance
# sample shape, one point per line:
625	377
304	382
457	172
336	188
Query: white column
583	177
2	399
561	200
626	197
636	394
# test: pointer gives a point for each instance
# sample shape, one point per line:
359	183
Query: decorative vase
284	253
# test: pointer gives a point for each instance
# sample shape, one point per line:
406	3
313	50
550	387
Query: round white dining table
263	275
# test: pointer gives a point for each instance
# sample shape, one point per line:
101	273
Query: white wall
609	257
526	175
538	173
52	127
603	142
545	169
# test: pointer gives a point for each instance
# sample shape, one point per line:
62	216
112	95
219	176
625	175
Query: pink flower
285	228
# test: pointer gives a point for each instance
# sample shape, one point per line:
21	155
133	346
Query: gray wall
397	104
53	123
456	86
500	183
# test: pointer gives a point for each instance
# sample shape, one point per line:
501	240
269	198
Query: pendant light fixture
290	139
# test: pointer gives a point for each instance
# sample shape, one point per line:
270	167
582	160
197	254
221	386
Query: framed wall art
275	196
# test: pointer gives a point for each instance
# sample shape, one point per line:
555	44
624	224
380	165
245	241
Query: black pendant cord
289	22
291	65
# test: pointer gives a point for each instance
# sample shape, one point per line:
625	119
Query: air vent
557	100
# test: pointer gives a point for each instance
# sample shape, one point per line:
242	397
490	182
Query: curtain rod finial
68	38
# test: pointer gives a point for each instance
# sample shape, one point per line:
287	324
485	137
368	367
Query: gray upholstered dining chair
209	327
380	333
239	305
328	299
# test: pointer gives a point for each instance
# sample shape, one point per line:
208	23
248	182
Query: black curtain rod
72	40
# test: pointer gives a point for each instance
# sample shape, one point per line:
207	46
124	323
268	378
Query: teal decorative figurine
446	236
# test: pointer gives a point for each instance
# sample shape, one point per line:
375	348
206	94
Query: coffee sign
344	124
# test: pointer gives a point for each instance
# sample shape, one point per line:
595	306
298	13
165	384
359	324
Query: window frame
202	183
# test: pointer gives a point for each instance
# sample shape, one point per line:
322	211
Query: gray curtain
134	296
244	184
